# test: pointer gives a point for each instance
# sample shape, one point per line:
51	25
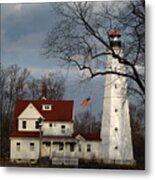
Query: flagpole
90	109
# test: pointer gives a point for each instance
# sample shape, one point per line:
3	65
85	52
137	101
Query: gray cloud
25	19
24	27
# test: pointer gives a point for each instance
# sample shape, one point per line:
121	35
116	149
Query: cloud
18	7
23	19
140	69
23	28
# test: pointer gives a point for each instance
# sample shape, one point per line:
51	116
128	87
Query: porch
60	151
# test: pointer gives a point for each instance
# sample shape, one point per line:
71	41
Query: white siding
56	129
25	152
30	113
93	154
116	144
30	124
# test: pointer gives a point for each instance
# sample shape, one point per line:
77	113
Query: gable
87	136
79	137
60	110
30	112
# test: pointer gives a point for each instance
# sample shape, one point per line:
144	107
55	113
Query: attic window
46	107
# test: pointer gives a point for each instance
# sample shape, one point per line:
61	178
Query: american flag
86	102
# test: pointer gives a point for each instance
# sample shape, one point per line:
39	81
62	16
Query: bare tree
81	37
13	83
17	84
85	122
138	132
55	85
15	87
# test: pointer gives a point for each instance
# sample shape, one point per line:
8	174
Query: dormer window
46	107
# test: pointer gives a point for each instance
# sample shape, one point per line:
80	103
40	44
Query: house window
115	86
79	147
71	147
18	146
47	107
63	129
32	146
88	148
37	124
47	143
24	124
61	147
50	124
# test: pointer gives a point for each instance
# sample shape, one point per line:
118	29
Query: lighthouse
116	140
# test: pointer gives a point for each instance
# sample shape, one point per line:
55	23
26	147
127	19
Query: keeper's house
44	129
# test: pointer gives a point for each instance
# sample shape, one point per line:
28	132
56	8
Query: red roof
27	134
61	111
32	134
115	33
89	136
35	134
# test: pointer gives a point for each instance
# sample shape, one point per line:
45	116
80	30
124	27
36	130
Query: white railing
65	161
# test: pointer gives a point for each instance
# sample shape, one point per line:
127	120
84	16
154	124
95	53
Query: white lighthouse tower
116	144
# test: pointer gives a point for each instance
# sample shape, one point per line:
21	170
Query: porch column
51	150
64	149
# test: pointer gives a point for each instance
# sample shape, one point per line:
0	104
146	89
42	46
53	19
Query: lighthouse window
116	110
116	129
116	147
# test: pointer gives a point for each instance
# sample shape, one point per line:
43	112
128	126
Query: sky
23	30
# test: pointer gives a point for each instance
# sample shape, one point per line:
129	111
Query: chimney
44	90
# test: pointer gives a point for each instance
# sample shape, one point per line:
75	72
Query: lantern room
115	38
